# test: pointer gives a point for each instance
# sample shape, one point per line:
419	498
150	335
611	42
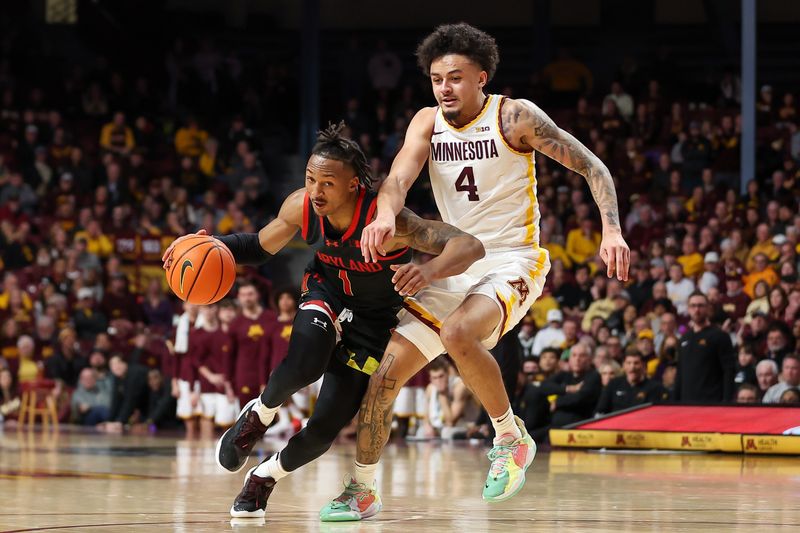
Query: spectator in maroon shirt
646	230
156	308
249	335
286	303
120	306
210	355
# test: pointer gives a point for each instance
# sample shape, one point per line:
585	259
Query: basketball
202	270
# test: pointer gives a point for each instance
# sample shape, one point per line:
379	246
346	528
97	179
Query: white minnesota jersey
481	184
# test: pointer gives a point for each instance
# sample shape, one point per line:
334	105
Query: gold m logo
186	264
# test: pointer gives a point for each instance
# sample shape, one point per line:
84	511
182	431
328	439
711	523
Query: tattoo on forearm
429	236
375	417
522	118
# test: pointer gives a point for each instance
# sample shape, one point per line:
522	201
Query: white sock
365	474
271	468
284	423
505	425
266	414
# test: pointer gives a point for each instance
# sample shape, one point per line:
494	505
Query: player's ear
483	79
354	183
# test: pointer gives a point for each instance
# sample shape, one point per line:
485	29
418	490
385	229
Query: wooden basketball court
87	482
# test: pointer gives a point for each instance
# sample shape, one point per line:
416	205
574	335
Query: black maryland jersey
360	286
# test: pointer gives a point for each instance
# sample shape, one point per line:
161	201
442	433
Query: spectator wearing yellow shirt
190	140
557	252
761	271
233	220
602	307
12	292
763	245
541	307
116	136
28	368
97	243
209	163
691	260
584	242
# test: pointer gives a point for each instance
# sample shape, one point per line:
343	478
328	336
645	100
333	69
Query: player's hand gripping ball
200	269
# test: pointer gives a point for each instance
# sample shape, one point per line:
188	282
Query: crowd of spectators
101	169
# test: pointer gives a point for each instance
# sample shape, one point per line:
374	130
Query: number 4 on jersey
466	182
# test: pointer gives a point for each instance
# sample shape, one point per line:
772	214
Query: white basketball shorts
512	278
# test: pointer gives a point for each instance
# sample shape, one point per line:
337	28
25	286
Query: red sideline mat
705	419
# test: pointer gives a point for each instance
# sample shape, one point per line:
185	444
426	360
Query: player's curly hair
332	144
461	39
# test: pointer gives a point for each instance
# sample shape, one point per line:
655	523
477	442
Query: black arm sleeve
246	248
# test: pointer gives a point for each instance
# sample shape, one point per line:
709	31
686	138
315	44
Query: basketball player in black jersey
347	310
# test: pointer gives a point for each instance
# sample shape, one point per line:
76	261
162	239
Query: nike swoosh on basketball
186	264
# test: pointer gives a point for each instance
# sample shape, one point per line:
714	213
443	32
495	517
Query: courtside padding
756	429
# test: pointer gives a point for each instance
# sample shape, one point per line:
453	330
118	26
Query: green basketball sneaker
357	502
510	459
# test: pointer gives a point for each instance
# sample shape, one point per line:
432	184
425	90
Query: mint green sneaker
510	459
357	502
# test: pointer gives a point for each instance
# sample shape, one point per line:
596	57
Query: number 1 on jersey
348	289
469	177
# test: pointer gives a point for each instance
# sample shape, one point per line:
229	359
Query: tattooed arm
455	251
392	195
528	127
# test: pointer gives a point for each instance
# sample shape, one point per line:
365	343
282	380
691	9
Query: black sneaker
235	445
252	500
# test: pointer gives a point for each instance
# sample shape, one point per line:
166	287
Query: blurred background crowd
104	161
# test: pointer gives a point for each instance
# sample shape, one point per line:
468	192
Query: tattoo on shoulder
429	236
526	123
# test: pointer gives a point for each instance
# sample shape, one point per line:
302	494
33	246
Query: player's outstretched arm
258	248
392	195
454	249
527	126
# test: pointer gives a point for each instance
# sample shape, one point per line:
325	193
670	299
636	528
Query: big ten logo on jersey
481	129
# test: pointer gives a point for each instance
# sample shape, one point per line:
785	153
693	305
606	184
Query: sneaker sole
219	441
258	513
521	480
344	517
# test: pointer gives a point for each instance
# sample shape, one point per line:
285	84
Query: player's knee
455	336
323	433
310	372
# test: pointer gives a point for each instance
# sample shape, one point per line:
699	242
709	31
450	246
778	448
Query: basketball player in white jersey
480	153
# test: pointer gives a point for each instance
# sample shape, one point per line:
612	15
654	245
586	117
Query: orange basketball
202	270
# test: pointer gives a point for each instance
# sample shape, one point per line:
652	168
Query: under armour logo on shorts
320	323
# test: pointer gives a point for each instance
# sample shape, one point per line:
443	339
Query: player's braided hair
461	39
331	144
